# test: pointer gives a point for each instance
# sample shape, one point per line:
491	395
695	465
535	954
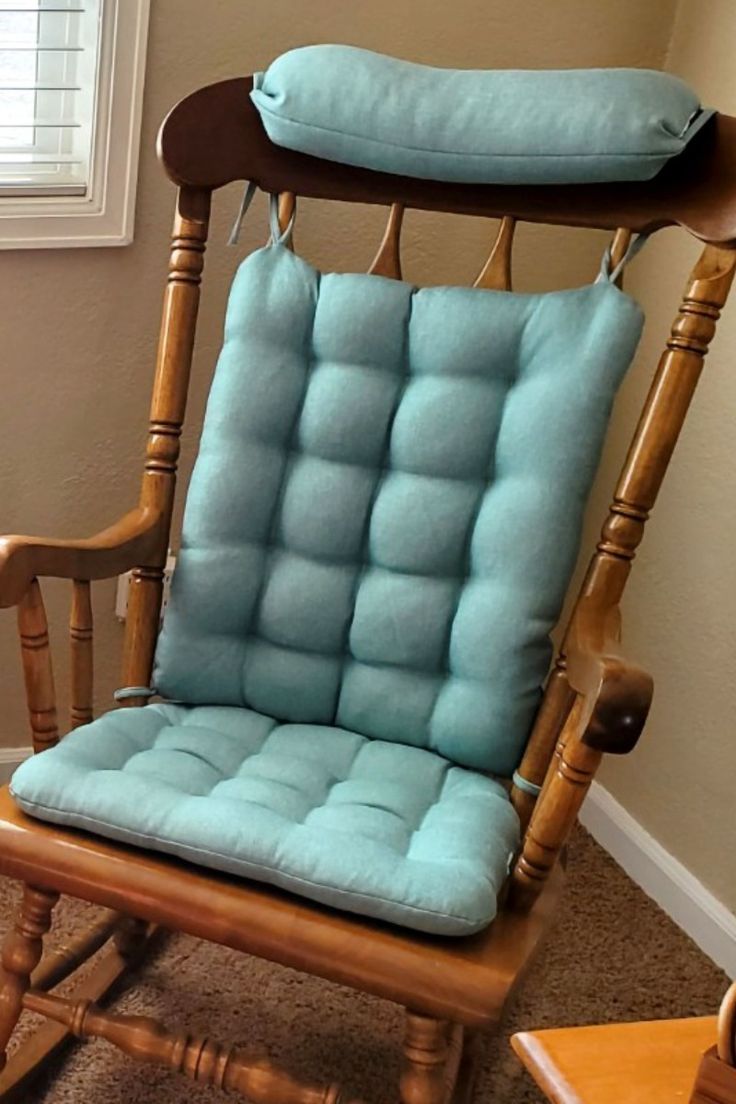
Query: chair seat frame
595	701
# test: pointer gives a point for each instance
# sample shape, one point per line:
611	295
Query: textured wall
680	613
79	326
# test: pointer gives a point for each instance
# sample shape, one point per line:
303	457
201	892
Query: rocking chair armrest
130	541
617	693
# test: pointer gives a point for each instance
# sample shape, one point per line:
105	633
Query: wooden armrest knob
621	707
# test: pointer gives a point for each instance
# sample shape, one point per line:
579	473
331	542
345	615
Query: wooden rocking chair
595	701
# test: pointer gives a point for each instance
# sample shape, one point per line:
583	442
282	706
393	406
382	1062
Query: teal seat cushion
501	126
386	506
387	831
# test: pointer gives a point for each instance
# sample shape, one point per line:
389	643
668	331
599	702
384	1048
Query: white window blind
49	60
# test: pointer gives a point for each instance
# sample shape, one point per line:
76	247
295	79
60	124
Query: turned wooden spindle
82	655
658	429
574	763
287	208
496	272
37	668
387	261
249	1073
426	1056
568	780
62	959
168	406
659	425
556	703
619	245
21	955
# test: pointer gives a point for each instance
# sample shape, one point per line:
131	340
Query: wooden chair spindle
287	207
168	405
426	1056
558	698
247	1072
568	781
496	272
37	668
82	654
619	244
387	261
21	954
659	426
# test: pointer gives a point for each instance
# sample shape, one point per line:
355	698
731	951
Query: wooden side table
628	1063
691	1061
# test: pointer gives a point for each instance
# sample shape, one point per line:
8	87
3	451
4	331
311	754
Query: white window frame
104	215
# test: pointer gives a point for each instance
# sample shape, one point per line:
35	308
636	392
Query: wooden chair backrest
215	136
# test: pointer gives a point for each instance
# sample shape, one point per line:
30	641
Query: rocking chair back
595	701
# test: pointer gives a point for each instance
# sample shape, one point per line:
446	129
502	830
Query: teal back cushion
386	507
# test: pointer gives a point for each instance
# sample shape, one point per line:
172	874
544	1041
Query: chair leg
467	1074
131	938
123	943
21	955
426	1053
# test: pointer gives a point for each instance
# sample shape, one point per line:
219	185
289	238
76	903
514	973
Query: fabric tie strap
610	275
524	784
126	692
278	236
250	191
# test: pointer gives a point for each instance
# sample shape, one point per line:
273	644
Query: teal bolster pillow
503	126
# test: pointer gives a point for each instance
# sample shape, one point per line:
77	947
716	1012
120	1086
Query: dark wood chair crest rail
595	702
215	136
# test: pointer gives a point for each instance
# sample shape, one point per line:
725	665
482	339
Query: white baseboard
10	758
675	889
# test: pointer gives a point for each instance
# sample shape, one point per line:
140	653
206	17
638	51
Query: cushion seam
364	564
420	910
656	156
288	453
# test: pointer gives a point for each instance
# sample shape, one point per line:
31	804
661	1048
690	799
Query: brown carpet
613	955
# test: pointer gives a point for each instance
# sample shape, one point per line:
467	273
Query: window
71	83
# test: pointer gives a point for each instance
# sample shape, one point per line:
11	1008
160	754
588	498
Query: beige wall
78	330
680	611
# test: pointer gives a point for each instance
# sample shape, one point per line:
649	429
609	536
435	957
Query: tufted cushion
372	827
385	510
